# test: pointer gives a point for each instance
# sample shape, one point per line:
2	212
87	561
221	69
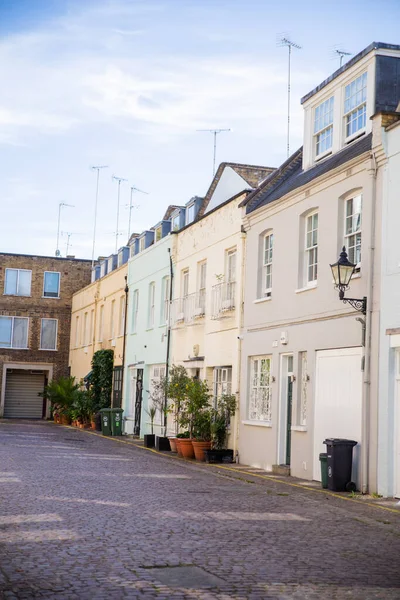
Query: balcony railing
223	299
188	309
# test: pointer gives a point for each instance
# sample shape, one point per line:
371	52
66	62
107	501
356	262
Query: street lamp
342	272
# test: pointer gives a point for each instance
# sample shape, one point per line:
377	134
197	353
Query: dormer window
175	222
158	233
142	244
189	214
323	127
355	105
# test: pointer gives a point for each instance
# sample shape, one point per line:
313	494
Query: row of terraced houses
237	287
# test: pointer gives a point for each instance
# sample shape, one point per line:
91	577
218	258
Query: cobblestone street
85	517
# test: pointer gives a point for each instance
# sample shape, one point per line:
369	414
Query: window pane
51	284
24	283
48	337
11	281
5	332
20	333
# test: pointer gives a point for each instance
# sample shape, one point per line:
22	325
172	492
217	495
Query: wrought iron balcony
223	299
188	309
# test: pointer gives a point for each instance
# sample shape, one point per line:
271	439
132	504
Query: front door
138	402
117	387
397	430
289	418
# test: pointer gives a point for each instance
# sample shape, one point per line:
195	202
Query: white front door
338	402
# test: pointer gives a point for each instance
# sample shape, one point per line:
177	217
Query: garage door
21	397
338	402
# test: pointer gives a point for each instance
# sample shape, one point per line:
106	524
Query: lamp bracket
359	304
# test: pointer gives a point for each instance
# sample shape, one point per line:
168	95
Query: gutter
171	276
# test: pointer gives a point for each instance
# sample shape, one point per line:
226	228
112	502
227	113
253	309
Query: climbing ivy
101	378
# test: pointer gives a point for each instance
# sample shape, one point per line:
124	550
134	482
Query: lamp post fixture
342	272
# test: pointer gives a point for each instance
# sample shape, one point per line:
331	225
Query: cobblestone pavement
85	517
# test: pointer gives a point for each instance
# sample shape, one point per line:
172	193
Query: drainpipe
240	338
366	392
171	276
126	290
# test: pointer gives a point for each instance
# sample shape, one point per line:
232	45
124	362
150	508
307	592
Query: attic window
323	127
176	222
142	243
158	233
189	214
355	105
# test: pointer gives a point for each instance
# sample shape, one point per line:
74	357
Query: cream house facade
305	373
98	316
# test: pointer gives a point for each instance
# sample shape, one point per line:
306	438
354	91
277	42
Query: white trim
59	284
16	290
312	286
41	327
261	300
26	367
258	423
299	428
13	317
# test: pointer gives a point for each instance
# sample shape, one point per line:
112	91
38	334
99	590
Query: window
189	214
158	233
260	388
51	288
267	264
18	282
352	229
311	248
91	324
101	323
176	222
103	269
323	127
201	286
152	298
135	310
301	413
121	315
355	105
112	320
185	283
48	334
222	382
14	332
165	300
77	333
85	329
231	266
142	244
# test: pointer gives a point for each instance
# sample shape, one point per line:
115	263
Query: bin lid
323	456
339	442
116	410
102	410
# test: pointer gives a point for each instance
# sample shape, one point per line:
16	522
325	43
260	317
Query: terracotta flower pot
178	447
65	420
186	448
172	443
199	448
93	424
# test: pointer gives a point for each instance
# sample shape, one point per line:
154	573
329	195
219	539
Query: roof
169	212
348	65
252	175
291	176
89	260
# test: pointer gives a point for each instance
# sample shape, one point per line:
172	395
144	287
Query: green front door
289	419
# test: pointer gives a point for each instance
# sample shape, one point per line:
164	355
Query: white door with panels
338	402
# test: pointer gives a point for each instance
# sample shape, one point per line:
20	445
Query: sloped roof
169	211
291	176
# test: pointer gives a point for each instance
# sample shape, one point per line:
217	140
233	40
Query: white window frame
44	284
259	387
11	347
103	268
268	251
189	218
85	328
121	315
91	324
152	304
135	310
323	127
231	258
101	323
175	222
17	284
56	336
142	244
351	114
158	234
165	300
185	283
311	250
112	320
77	332
350	236
222	382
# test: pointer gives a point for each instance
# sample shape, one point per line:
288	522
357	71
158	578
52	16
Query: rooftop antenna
68	234
61	204
117	232
215	132
97	168
131	206
285	41
338	52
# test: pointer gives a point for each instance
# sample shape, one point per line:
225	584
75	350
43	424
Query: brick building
35	316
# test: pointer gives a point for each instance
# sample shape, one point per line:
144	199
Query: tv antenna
61	204
215	132
97	168
68	243
117	232
131	206
285	41
338	52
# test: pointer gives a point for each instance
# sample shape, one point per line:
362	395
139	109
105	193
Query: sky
127	84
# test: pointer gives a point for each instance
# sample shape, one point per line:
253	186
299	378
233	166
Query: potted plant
221	415
61	393
202	434
178	440
176	392
149	438
193	415
158	397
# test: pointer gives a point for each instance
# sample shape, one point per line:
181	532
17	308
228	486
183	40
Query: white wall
228	186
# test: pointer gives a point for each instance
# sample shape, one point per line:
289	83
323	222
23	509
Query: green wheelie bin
106	421
116	421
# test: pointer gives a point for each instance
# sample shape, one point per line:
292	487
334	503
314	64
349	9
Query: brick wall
75	274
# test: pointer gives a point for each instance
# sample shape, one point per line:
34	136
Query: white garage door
21	397
338	402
